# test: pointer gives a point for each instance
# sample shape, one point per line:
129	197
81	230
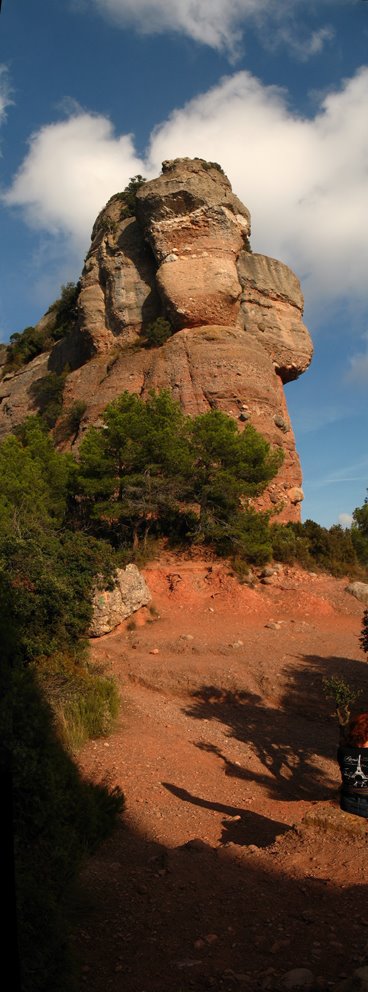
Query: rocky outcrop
196	228
236	317
271	311
359	590
111	607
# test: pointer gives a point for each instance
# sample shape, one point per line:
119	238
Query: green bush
47	394
50	567
128	196
157	333
86	705
26	345
312	546
364	634
70	424
343	695
359	533
46	576
146	470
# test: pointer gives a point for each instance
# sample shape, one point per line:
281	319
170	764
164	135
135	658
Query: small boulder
295	495
359	590
357	983
111	607
298	978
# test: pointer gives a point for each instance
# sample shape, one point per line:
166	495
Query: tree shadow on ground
193	917
244	827
291	740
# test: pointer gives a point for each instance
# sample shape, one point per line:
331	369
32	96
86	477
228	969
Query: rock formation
236	317
111	607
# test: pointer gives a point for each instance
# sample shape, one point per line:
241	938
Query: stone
359	590
298	978
111	607
295	494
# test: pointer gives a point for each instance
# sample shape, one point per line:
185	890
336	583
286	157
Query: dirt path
233	863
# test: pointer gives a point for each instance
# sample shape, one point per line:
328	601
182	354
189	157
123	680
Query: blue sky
94	91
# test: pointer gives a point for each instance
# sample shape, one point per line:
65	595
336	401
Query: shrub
364	634
50	568
70	424
46	576
344	695
314	546
359	532
128	196
65	309
26	345
146	471
157	333
47	394
87	708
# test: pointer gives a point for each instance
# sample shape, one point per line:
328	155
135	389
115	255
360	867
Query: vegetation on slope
149	471
26	345
46	576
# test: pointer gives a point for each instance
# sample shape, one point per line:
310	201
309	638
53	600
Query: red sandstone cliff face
237	317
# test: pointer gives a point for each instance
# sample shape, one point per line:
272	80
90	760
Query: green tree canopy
149	464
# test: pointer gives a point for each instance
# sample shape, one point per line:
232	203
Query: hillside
234	864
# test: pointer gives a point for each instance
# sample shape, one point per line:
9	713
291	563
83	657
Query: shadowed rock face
236	317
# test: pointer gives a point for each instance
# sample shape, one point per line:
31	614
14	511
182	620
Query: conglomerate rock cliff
236	317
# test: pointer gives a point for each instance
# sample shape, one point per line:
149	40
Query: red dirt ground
233	863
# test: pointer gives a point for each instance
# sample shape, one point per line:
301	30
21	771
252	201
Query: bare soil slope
233	863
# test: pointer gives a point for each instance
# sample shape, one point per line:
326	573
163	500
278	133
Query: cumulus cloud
304	180
345	520
71	169
358	371
221	23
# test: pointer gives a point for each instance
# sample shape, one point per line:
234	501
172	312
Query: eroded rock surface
111	607
236	317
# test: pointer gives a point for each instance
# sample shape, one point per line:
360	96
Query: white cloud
217	23
5	98
302	46
345	520
221	23
71	169
358	371
304	180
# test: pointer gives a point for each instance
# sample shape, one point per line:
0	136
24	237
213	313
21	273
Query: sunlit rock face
236	317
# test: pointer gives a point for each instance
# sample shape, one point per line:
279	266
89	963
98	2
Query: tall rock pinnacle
236	317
